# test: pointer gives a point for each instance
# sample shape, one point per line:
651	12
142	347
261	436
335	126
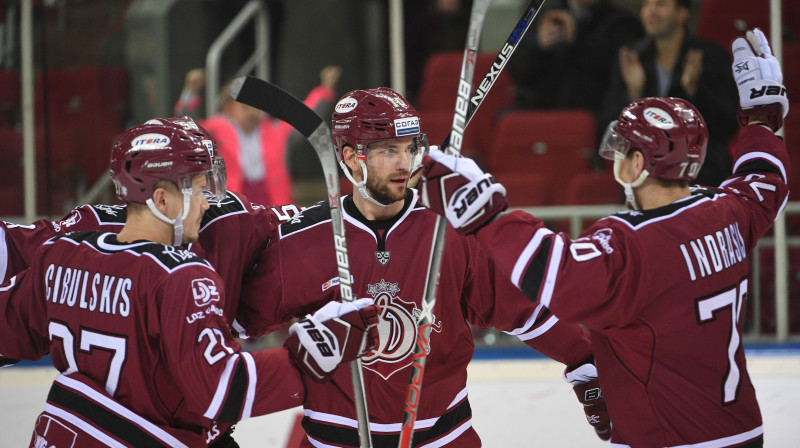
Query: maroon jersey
388	260
233	231
139	335
663	292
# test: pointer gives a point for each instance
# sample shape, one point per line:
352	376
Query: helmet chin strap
177	223
362	186
628	186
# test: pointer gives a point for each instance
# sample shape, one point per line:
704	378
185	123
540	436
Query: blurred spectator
565	61
253	144
670	61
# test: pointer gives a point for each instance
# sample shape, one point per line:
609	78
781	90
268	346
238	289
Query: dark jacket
577	75
716	99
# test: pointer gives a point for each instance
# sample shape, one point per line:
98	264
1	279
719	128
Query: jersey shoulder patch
638	218
230	205
110	214
169	258
309	217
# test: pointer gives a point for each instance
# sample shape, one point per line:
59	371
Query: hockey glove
584	383
456	188
760	80
336	333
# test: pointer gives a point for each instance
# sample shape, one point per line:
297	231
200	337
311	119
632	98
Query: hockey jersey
140	338
388	261
663	292
232	232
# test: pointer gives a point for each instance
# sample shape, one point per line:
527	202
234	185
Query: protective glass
213	186
613	145
395	154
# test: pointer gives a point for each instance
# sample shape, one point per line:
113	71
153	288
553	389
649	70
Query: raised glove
584	383
456	188
760	80
336	333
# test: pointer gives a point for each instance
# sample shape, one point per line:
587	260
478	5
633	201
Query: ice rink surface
515	403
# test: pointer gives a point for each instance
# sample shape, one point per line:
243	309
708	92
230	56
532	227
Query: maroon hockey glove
456	188
338	332
760	80
587	388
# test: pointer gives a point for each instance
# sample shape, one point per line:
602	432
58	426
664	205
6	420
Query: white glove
458	189
338	332
759	78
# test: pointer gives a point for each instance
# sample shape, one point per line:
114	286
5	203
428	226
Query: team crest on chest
383	256
397	329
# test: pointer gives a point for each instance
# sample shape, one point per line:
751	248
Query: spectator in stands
566	61
670	61
253	144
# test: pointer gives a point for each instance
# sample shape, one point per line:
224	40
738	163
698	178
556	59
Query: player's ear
160	198
351	159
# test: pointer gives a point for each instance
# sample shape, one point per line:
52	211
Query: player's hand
456	188
760	80
584	383
632	72
338	332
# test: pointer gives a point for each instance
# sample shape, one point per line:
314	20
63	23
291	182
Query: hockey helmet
670	133
365	116
174	149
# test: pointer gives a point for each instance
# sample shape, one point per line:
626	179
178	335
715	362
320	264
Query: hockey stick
476	18
463	113
284	106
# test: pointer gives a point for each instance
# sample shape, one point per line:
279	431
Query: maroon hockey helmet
365	116
670	132
174	149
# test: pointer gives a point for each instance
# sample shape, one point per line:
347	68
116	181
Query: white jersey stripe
540	330
252	378
85	426
378	427
120	410
222	389
761	155
527	253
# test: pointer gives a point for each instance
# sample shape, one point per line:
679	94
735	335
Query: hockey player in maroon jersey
136	325
389	236
232	231
663	286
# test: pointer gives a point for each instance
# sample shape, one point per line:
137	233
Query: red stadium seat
593	188
525	190
437	124
438	92
82	110
722	21
553	145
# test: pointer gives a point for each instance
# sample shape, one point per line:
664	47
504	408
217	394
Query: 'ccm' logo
472	195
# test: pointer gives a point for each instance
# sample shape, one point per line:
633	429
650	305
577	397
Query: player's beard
385	192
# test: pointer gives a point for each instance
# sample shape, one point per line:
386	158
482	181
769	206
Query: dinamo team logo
397	330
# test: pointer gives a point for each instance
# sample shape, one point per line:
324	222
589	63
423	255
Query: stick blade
275	101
